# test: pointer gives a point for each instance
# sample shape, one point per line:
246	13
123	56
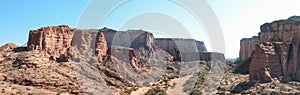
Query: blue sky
238	18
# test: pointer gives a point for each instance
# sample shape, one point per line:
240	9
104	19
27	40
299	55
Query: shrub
155	91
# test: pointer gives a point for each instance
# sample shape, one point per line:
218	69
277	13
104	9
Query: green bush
196	92
156	91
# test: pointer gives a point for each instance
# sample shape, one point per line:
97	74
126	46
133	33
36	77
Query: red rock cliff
277	55
54	42
247	46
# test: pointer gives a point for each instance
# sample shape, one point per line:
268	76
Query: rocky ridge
275	57
65	59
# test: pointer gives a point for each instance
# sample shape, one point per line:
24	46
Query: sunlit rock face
247	46
277	55
53	41
182	49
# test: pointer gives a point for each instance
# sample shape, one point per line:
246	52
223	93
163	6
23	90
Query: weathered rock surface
181	49
84	45
277	55
8	47
281	30
54	42
32	60
263	58
29	72
173	45
131	38
101	45
126	55
247	46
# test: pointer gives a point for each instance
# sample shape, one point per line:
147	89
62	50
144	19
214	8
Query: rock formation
83	44
126	55
277	55
60	59
101	45
54	42
172	45
210	56
8	47
247	46
182	49
130	38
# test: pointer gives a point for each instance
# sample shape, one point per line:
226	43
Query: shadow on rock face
242	87
20	49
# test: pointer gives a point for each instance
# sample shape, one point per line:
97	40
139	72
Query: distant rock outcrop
131	38
54	42
8	47
182	49
277	55
247	46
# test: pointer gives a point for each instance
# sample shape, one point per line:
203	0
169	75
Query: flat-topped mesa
278	52
131	38
53	41
247	46
281	30
181	49
212	56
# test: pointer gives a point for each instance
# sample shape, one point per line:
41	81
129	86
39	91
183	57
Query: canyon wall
54	42
277	55
172	45
131	38
247	46
182	49
64	44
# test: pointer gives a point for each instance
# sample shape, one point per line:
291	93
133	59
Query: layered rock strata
54	42
247	46
277	55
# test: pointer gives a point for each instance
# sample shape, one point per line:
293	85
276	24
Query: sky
238	18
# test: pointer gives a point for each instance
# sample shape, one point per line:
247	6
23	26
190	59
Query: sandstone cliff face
126	55
264	56
83	44
247	46
182	49
101	45
277	55
54	42
211	56
175	44
131	38
282	31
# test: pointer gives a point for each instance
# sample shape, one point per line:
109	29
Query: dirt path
178	89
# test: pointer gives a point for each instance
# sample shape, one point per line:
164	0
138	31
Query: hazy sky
238	18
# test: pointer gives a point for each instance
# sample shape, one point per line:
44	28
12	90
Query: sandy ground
178	89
